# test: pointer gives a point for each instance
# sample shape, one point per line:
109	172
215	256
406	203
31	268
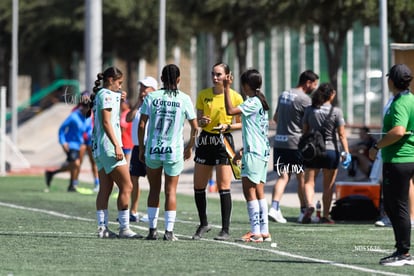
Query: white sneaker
383	222
105	233
314	219
129	234
144	218
300	217
276	215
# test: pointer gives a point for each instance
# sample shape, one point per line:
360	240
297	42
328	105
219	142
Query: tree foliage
401	20
51	31
240	18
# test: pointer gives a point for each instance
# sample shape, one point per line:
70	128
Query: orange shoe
267	237
250	237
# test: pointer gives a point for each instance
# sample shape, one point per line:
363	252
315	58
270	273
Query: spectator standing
326	118
286	157
126	131
136	167
397	152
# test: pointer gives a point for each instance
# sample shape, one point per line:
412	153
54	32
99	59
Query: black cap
401	75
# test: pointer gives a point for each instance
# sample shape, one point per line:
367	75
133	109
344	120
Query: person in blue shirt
71	138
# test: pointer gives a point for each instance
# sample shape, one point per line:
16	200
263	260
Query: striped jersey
166	113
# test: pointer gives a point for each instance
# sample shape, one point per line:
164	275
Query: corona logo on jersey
159	102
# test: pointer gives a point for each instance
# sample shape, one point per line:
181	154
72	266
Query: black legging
396	184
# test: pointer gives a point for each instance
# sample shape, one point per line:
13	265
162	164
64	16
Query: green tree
401	20
240	18
335	19
51	32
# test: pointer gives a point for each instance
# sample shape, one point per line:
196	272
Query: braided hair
253	79
169	76
103	80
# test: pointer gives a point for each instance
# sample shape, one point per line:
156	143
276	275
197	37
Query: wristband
375	146
228	127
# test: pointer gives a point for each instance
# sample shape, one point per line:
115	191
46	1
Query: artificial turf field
55	234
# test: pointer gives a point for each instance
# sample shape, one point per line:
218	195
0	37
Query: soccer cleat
276	215
71	188
397	259
383	222
127	233
267	237
222	236
105	233
133	218
314	219
307	215
152	235
144	218
250	237
201	230
300	218
48	177
169	236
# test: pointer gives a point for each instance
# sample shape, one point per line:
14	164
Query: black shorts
210	149
72	155
288	160
136	167
330	160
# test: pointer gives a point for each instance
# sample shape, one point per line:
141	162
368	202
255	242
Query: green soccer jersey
167	112
106	99
400	113
255	124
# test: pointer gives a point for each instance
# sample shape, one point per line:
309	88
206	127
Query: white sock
264	220
106	217
153	217
254	210
123	219
170	220
100	217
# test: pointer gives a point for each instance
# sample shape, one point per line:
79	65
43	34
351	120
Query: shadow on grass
48	235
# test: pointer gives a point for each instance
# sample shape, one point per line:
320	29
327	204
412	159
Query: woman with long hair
107	151
165	112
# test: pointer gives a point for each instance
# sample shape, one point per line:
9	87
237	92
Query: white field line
241	245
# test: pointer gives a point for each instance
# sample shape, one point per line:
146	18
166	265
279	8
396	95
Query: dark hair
170	74
253	79
365	129
307	75
322	94
224	65
401	76
102	78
